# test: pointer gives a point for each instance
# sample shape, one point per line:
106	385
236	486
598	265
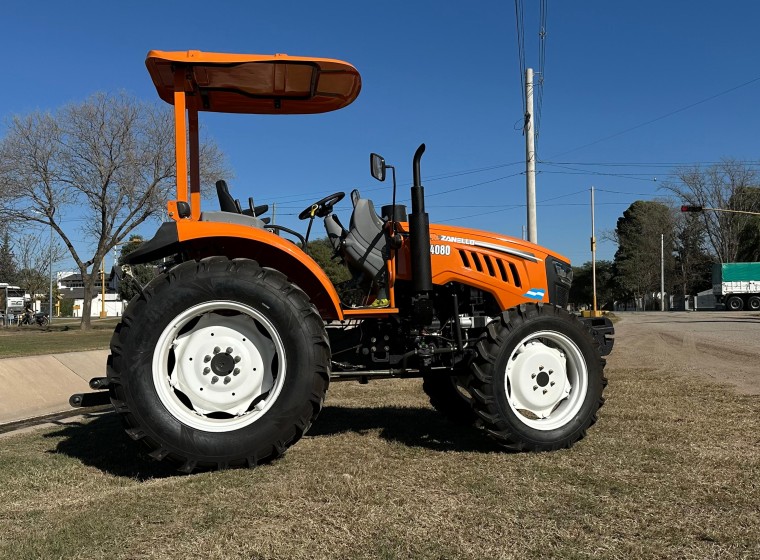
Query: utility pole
103	313
530	157
593	255
50	257
662	272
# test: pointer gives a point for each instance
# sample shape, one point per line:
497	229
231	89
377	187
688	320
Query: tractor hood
252	83
468	237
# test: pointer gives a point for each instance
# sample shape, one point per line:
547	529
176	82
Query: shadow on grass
415	427
102	443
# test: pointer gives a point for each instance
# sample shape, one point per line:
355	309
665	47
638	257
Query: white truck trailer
737	285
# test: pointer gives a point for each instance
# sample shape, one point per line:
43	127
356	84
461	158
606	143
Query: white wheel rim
546	380
219	366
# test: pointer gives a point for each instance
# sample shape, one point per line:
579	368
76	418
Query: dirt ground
723	346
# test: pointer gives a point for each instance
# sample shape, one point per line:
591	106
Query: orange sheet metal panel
270	250
506	267
251	83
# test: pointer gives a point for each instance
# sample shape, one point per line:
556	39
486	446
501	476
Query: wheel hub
223	364
537	378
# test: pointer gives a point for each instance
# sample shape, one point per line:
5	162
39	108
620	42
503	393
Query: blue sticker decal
535	293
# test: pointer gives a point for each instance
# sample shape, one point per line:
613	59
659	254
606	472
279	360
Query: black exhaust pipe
419	237
419	232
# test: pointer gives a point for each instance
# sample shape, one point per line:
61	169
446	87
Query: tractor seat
230	210
364	244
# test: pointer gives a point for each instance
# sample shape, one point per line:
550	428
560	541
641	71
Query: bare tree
106	164
729	185
34	260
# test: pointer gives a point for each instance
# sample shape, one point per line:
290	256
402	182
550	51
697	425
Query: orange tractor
224	359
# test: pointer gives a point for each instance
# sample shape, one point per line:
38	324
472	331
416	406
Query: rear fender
197	240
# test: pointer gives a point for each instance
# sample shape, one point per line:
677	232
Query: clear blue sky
443	73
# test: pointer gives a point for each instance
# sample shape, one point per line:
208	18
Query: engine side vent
502	270
515	275
490	266
465	260
476	260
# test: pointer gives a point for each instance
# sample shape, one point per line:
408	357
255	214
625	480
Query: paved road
723	346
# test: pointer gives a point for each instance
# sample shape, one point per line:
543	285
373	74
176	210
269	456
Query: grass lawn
63	335
671	470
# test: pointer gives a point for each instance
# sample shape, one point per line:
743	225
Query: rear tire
219	363
449	395
735	303
754	303
538	378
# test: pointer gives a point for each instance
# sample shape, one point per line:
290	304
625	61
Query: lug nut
214	379
551	384
237	359
227	380
206	358
236	371
206	371
229	349
545	391
532	375
540	368
535	387
217	349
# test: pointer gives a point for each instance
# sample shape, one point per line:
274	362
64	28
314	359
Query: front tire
538	378
219	363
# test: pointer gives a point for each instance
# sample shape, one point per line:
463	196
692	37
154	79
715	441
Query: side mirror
377	166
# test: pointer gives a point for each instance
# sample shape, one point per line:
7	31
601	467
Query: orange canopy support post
180	133
195	165
275	84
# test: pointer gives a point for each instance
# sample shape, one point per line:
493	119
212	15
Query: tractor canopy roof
252	83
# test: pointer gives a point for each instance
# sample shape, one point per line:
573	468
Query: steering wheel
322	207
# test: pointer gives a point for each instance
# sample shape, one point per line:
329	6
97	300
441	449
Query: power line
520	24
541	67
661	117
576	171
649	164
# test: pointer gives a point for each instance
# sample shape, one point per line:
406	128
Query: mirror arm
393	209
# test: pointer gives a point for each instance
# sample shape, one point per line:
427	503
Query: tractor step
85	400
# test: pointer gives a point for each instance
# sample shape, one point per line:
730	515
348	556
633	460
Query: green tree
639	232
321	250
142	273
749	235
693	263
7	259
582	288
